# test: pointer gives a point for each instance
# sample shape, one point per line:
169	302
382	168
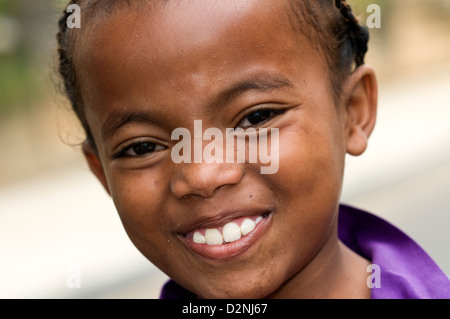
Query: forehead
174	24
182	45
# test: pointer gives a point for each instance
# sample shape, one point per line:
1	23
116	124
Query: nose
204	179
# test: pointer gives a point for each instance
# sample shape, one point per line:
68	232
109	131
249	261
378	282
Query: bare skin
175	64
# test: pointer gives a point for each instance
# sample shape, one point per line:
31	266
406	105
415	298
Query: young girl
136	72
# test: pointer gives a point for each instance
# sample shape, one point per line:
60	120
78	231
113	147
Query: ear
95	164
360	99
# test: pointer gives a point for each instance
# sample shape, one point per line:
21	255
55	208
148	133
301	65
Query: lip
215	220
228	251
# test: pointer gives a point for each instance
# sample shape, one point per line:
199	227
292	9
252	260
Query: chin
237	288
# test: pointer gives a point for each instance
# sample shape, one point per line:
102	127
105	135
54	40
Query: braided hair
335	32
67	72
332	29
357	35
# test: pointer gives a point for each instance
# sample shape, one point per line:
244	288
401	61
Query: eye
139	149
259	117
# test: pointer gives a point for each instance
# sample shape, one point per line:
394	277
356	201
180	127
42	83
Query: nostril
204	179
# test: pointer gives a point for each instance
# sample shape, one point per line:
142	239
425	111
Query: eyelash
274	112
123	151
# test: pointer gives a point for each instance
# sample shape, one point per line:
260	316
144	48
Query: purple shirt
405	269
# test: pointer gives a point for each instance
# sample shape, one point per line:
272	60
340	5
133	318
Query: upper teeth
213	237
230	232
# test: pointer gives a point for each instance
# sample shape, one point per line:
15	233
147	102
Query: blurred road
63	218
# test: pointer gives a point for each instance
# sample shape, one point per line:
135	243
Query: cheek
141	201
138	197
308	184
311	159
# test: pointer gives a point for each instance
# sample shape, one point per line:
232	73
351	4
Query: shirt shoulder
406	270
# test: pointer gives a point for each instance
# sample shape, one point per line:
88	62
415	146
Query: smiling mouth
228	240
227	233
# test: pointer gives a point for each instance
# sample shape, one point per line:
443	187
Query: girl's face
146	72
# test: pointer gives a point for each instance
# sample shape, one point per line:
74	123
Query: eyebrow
260	83
120	118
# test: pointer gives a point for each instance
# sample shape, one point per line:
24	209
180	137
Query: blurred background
60	236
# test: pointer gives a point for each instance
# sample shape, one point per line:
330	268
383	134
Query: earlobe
95	164
361	95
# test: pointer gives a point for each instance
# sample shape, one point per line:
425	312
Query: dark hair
330	24
333	30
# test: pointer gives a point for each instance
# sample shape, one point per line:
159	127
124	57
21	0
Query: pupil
143	148
259	116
